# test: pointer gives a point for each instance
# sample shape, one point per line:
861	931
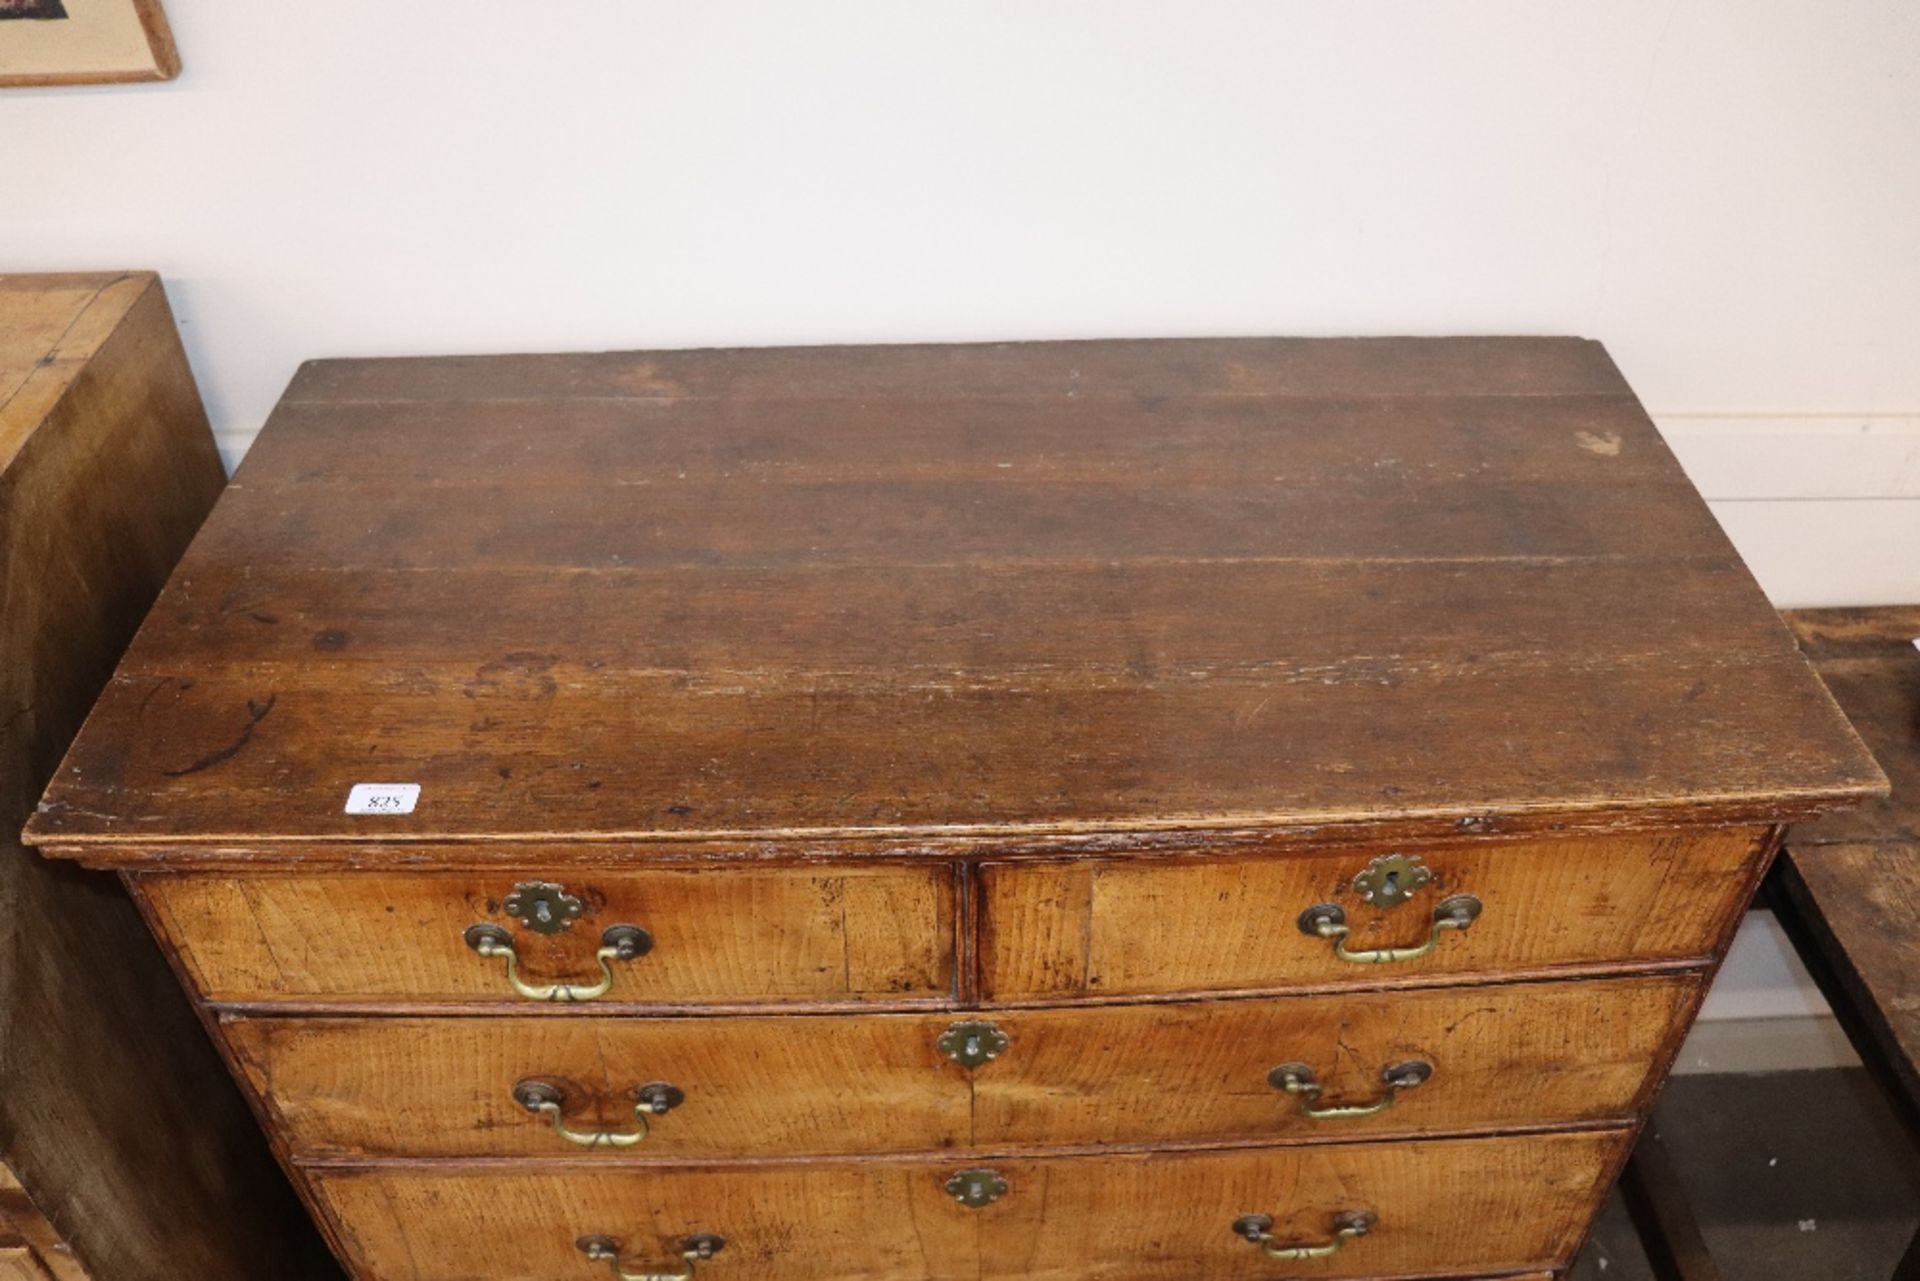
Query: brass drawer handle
1329	921
1347	1226
543	1098
617	943
1298	1079
694	1249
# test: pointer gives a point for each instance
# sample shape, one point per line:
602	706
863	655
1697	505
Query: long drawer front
1443	1207
1304	1067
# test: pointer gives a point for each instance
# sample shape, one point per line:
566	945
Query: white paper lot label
382	798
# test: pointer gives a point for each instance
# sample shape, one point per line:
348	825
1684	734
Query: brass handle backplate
1297	1079
694	1249
545	1099
1347	1226
1329	921
617	943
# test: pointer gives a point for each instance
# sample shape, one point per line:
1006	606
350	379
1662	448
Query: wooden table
1249	808
125	1153
1847	889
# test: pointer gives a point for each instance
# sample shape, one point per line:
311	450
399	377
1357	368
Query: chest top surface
913	593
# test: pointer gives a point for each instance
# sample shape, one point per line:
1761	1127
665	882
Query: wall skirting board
1764	1013
1824	507
1765	1045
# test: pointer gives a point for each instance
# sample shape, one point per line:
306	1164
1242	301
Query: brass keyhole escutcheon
1392	879
971	1044
542	906
976	1188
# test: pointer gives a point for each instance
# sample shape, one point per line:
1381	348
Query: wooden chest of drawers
1099	810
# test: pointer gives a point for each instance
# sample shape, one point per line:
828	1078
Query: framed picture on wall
78	42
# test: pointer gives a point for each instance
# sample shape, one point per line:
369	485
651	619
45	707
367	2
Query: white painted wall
1726	191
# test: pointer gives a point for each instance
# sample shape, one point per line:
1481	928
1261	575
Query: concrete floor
1794	1176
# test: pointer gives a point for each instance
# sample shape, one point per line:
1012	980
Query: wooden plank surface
117	1114
1867	657
1446	1206
917	592
1258	367
1851	882
1858	907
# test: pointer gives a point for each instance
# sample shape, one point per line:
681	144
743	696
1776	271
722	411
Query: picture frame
82	42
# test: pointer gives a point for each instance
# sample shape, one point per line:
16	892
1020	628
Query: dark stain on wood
256	712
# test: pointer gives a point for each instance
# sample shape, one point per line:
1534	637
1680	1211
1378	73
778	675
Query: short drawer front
1479	1058
748	935
1141	927
1459	1206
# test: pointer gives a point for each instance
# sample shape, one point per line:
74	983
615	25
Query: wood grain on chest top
926	592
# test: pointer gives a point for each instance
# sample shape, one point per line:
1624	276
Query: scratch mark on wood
257	712
158	685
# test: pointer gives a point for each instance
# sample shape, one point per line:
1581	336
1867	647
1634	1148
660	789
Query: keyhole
543	911
1393	885
973	1048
